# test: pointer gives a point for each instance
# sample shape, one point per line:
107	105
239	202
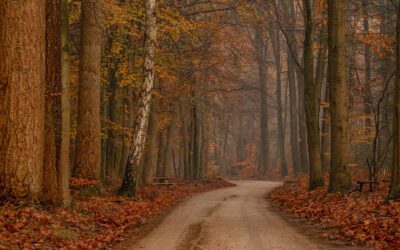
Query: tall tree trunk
131	176
53	101
294	131
367	93
22	95
319	83
204	148
196	137
340	176
65	162
325	132
169	142
276	44
88	147
394	192
261	50
186	145
302	126
311	101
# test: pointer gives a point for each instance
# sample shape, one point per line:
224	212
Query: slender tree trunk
319	82
325	132
394	192
311	101
132	171
276	44
65	162
53	101
22	95
294	131
224	162
88	142
302	126
261	51
196	138
186	145
169	143
204	148
340	176
367	93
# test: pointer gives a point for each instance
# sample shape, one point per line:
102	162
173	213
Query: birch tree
132	173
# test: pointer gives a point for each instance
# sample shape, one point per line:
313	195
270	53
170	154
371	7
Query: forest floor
360	218
93	222
238	217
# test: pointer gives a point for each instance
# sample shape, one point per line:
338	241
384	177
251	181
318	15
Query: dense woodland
120	92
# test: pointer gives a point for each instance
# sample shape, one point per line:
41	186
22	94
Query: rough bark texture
311	102
394	192
88	147
132	171
53	101
65	163
340	176
22	95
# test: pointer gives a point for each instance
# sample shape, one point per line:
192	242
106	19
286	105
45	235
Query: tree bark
131	177
311	101
53	113
88	141
65	162
340	176
22	95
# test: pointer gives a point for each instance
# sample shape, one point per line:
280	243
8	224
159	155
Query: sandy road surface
230	218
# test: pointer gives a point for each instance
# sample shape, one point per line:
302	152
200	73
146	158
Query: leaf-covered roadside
94	222
362	218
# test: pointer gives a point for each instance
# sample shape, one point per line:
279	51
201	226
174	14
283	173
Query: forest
113	112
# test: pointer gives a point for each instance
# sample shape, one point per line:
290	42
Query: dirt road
231	218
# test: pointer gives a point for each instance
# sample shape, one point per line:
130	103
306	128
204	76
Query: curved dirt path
230	218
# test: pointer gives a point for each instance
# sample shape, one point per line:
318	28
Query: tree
394	192
132	173
87	152
65	162
311	101
53	188
22	95
276	45
261	49
340	176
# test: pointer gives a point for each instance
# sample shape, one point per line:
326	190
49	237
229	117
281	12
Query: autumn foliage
361	218
93	222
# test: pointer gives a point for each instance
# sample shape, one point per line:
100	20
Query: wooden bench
164	181
373	185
